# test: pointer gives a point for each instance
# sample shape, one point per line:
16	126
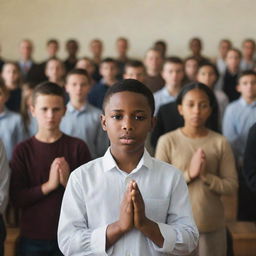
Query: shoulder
217	139
25	146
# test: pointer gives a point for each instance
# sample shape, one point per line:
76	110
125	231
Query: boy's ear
180	109
103	122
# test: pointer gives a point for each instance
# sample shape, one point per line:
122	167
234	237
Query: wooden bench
244	238
10	242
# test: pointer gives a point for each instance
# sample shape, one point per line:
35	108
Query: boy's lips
127	139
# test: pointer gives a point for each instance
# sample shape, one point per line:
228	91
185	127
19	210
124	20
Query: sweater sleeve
226	182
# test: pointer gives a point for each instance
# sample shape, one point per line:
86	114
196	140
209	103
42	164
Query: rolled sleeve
98	241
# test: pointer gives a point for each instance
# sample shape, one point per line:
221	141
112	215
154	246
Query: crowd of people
53	119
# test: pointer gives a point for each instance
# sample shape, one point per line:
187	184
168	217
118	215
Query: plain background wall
141	21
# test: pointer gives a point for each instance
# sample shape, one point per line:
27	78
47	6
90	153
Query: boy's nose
127	125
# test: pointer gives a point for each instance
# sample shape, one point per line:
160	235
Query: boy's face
233	60
248	49
52	49
173	73
191	68
127	120
207	76
10	74
77	87
223	48
96	48
26	49
247	87
153	60
72	48
137	73
87	65
48	111
122	46
195	46
108	70
54	70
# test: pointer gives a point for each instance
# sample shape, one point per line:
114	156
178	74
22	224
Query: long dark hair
212	122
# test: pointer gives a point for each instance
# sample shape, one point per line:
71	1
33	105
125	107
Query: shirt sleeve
179	232
4	178
74	235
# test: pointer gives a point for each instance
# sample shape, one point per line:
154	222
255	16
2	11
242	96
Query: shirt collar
72	109
244	103
109	162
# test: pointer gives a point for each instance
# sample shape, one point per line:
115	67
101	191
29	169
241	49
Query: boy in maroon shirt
40	170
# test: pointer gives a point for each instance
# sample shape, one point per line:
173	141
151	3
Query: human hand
64	171
197	164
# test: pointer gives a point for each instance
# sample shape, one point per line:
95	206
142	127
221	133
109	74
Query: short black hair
248	72
208	64
134	64
213	121
78	71
130	85
48	88
173	59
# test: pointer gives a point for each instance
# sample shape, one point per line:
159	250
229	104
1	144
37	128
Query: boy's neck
127	161
48	136
233	71
78	104
173	90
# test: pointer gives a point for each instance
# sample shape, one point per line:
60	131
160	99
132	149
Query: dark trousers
2	235
35	247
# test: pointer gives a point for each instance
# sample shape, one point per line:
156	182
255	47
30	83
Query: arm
4	178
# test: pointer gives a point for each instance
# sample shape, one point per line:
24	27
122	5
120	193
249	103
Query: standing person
72	48
207	163
153	62
117	206
40	170
224	46
248	51
4	190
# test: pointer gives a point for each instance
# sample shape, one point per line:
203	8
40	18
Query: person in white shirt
127	203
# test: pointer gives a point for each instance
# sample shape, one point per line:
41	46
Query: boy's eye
117	117
139	118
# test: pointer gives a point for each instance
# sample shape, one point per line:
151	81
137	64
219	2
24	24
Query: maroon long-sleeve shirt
30	166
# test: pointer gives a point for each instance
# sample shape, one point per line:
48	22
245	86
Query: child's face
48	111
137	73
54	70
224	48
153	60
87	65
10	74
247	87
191	68
77	87
96	48
108	70
26	49
52	49
233	60
248	49
195	108
173	73
195	46
206	75
127	120
122	46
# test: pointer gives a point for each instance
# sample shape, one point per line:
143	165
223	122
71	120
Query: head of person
191	67
127	117
4	94
248	48
161	46
52	47
233	59
26	49
173	71
122	46
78	84
198	106
153	60
134	69
224	46
48	105
86	64
11	75
108	68
72	47
96	47
247	85
54	70
208	74
195	45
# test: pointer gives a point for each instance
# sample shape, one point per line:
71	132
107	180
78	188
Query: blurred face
96	48
10	74
72	48
87	65
247	87
160	47
195	108
206	75
153	60
77	87
108	70
48	111
127	120
248	49
137	73
191	68
52	49
233	60
195	46
26	50
173	74
54	70
224	48
122	47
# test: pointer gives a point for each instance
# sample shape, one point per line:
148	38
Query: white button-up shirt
92	201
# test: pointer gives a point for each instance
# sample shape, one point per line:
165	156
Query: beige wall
142	21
